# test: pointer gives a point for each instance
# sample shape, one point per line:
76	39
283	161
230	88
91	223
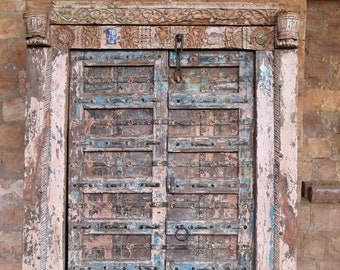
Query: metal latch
178	50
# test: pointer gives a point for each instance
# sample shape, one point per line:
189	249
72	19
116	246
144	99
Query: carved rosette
37	28
287	30
63	37
262	38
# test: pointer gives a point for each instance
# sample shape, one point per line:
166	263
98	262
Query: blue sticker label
111	36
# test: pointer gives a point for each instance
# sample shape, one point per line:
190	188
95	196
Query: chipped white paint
288	162
57	186
35	137
46	118
265	161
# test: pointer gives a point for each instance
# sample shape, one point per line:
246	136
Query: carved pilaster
287	30
37	28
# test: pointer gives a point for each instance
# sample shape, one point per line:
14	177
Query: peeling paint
47	120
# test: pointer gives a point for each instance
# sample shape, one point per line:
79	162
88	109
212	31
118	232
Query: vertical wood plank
286	64
160	155
265	160
56	191
36	157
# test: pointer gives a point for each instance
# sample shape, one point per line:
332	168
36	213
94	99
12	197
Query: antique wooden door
161	169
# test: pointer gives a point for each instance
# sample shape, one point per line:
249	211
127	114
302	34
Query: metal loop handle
182	237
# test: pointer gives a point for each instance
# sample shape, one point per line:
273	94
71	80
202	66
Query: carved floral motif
234	37
91	37
66	13
63	37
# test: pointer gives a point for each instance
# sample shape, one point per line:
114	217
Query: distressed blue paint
111	36
145	101
272	222
206	101
138	58
233	98
211	58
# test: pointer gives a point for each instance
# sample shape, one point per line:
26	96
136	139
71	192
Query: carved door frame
264	28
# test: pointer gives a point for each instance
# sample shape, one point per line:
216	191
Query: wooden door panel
116	194
107	164
221	80
203	247
116	247
203	165
191	123
118	122
117	206
161	172
209	220
202	207
118	80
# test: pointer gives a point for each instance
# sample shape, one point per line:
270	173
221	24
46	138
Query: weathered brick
18	53
12	215
7	82
11	189
13	110
329	264
315	246
334	246
12	162
304	213
12	27
3	53
317	148
11	136
305	170
307	265
12	5
10	264
312	124
326	217
22	82
326	170
317	100
10	244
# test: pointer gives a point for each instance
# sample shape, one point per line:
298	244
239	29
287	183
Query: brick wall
319	160
12	91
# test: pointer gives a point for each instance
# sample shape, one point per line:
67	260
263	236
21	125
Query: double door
160	168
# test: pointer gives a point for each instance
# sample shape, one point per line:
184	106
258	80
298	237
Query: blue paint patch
111	36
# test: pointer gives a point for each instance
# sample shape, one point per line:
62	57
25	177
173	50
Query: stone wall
12	95
319	159
319	225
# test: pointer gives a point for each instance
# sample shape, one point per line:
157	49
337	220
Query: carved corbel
287	30
37	28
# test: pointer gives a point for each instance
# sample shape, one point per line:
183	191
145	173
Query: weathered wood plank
265	160
56	191
36	156
286	185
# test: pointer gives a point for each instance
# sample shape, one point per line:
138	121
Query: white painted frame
46	150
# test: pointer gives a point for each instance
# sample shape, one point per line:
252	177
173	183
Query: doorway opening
175	149
161	171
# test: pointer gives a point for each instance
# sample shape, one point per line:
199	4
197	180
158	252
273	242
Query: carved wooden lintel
166	13
162	37
287	30
245	26
37	28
